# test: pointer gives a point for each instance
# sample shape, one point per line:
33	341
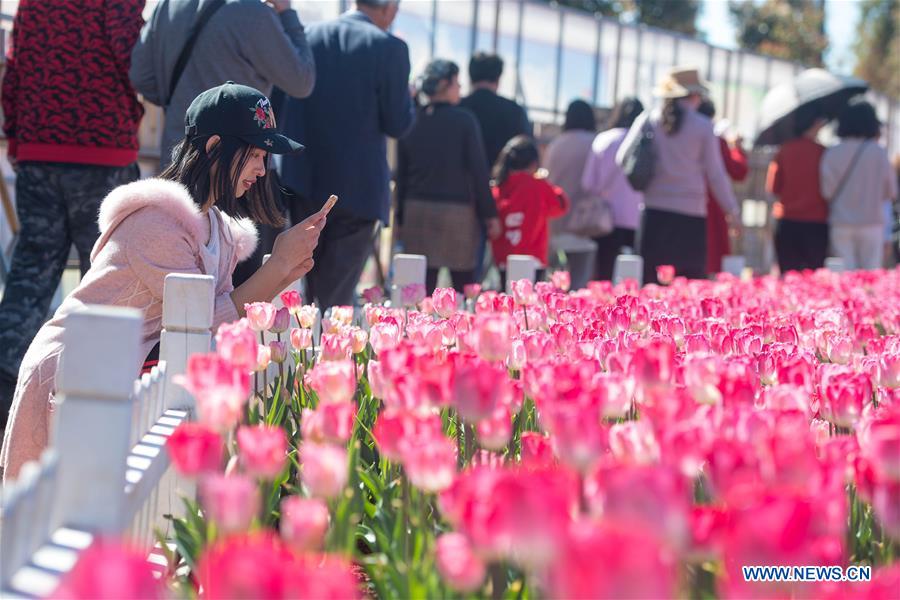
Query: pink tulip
359	339
333	381
373	295
384	336
110	569
219	389
665	274
263	357
444	300
517	355
478	387
277	352
304	522
195	448
307	315
342	314
412	294
263	450
236	343
889	369
301	339
495	432
324	470
634	442
335	347
292	301
398	433
432	466
231	501
844	395
561	280
457	563
281	322
523	292
471	290
494	333
330	422
261	315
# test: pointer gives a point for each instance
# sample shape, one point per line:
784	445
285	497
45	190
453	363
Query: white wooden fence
106	472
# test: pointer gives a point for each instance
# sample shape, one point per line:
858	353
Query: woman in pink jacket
174	224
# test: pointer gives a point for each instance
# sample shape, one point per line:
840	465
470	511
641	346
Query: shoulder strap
202	19
849	170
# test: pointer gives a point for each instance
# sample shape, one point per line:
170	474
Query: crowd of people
473	186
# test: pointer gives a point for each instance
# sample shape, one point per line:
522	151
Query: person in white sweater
857	179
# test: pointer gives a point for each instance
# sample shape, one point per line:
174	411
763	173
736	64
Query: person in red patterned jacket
526	202
71	119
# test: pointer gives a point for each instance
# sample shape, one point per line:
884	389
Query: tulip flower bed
612	442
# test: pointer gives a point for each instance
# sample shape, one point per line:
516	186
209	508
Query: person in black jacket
501	119
361	96
443	192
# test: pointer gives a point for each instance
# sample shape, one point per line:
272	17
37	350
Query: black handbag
639	159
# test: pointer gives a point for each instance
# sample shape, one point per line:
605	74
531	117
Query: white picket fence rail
106	472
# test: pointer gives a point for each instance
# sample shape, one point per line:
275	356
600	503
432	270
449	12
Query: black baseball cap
239	111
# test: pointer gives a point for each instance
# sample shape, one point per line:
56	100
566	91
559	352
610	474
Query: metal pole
519	44
738	84
637	62
676	50
473	38
433	41
497	6
559	56
725	95
709	62
599	49
615	97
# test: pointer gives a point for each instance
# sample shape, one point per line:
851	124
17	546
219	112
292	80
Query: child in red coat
525	203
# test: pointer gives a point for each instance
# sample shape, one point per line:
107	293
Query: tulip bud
263	357
444	301
277	352
412	294
324	470
665	274
562	280
301	339
281	322
195	448
292	301
457	563
260	315
523	292
304	522
231	501
307	316
263	450
471	290
359	339
373	295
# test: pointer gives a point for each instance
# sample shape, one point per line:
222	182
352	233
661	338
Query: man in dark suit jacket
361	96
501	119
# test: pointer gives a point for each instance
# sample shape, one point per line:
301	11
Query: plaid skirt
448	234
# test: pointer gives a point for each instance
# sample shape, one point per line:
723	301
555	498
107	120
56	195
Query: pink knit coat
148	229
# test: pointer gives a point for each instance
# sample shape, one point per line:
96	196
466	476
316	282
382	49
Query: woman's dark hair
672	116
518	154
858	119
192	166
806	116
624	113
707	108
438	72
580	115
485	67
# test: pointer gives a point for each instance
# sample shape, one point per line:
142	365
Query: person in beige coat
175	224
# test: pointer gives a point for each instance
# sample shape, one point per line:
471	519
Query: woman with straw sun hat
687	160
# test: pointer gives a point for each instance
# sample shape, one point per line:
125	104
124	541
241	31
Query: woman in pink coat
174	224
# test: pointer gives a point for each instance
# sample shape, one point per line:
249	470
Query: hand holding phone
329	204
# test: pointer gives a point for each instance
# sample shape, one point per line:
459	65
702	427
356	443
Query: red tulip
195	448
263	450
292	301
665	274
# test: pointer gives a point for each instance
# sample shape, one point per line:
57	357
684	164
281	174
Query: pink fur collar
175	199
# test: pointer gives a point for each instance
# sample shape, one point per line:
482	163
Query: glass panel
628	62
506	46
309	12
749	95
413	26
579	54
538	67
487	13
717	81
454	30
608	51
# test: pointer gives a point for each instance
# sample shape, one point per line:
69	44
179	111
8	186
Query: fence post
408	269
92	431
520	266
186	321
628	266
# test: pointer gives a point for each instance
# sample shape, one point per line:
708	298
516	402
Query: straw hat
681	82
